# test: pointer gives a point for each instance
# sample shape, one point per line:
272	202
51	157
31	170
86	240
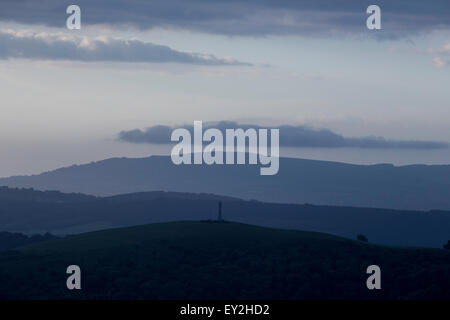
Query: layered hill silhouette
9	240
30	211
207	260
413	187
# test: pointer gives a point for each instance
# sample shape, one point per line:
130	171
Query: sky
311	68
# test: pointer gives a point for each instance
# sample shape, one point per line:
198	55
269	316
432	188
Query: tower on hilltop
219	217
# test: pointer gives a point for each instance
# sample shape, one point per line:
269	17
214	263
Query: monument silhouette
219	216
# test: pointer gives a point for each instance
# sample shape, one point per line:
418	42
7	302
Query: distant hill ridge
413	187
33	195
30	194
23	210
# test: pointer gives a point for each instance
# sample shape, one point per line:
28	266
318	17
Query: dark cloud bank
290	136
241	17
44	46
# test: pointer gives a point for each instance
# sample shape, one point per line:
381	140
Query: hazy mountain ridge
30	194
414	187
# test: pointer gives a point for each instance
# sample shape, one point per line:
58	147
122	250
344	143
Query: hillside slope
207	260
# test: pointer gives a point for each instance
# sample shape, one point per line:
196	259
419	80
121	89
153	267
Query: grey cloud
44	46
156	135
242	17
441	56
290	136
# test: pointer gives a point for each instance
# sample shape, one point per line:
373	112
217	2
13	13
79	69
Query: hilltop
208	260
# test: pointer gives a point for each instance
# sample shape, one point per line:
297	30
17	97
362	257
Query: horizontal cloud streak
290	136
241	17
44	46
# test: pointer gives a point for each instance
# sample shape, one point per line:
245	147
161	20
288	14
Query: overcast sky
311	67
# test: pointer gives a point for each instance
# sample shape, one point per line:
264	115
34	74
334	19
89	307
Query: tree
447	245
362	238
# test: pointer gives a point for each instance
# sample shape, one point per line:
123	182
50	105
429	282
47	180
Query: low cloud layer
44	46
241	17
290	136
